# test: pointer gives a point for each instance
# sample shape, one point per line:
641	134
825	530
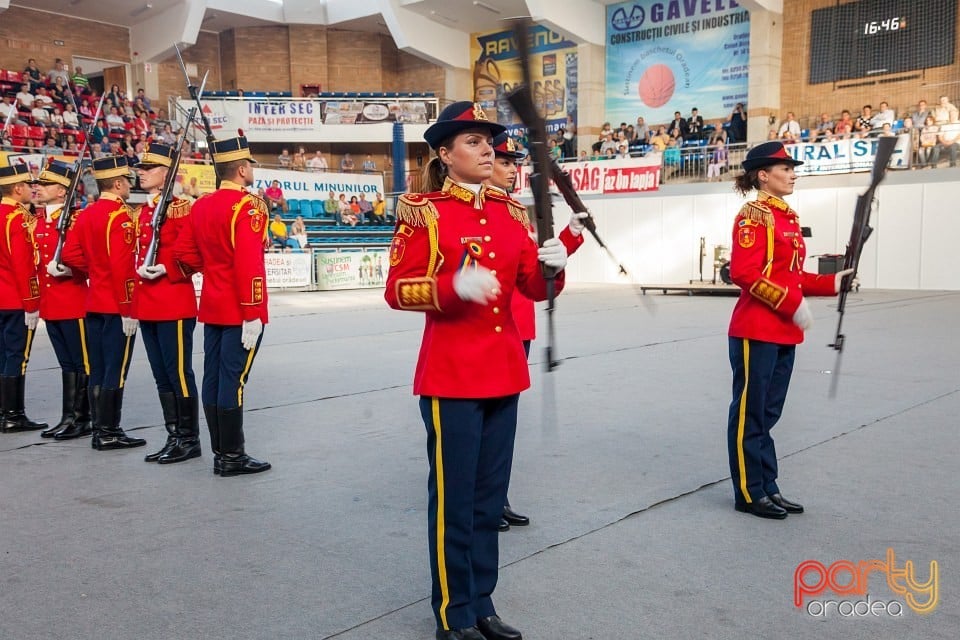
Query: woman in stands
298	231
346	213
115	97
928	153
458	254
768	322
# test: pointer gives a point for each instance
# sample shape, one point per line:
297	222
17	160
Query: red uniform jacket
766	262
19	287
468	350
524	313
102	243
172	296
60	298
225	239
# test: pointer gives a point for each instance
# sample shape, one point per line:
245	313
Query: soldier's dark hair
434	175
108	184
229	169
7	189
747	182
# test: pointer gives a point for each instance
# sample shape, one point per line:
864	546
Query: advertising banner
630	175
317	186
288	270
351	269
846	156
496	71
675	55
194	180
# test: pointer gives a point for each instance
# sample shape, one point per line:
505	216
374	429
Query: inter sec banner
674	55
846	156
553	65
262	120
628	175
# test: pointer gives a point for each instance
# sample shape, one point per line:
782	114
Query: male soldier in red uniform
165	304
19	296
225	239
766	262
102	244
63	307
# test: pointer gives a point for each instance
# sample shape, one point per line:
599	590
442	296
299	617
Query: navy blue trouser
226	365
761	376
15	343
69	340
110	351
470	450
169	346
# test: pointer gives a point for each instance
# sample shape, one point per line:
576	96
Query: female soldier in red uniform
457	255
768	322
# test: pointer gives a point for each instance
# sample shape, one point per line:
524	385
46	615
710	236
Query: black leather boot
234	460
187	443
68	397
168	404
213	426
109	435
14	416
86	410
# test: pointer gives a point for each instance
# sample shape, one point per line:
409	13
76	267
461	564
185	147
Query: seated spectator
24	98
59	90
141	123
641	132
59	71
927	151
331	208
738	123
907	126
789	130
44	97
51	148
32	75
583	156
71	119
285	159
678	127
299	160
661	139
79	80
949	141
695	124
41	117
553	150
298	231
127	142
368	166
365	209
945	112
274	197
347	216
920	115
346	163
824	129
719	135
278	233
379	209
317	163
718	162
56	118
885	114
6	106
864	123
609	145
115	97
671	155
167	136
886	130
355	207
844	126
115	121
100	132
142	97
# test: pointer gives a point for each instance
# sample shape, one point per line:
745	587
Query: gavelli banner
675	55
553	65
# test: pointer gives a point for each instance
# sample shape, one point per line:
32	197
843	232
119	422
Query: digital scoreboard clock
872	37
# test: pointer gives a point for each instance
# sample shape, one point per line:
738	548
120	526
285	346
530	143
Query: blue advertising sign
673	55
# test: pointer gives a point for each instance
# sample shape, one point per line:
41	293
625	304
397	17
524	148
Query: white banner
627	175
317	186
351	269
287	270
846	156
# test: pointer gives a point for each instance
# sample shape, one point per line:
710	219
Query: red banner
631	175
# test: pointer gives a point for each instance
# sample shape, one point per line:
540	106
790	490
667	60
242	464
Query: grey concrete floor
620	462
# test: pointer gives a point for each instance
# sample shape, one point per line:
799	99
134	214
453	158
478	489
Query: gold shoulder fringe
757	212
416	210
518	212
259	203
178	208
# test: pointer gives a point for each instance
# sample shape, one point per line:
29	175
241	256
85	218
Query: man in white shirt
318	162
886	115
790	129
40	115
43	97
25	98
945	112
6	106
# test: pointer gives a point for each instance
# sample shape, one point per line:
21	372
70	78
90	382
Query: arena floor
620	462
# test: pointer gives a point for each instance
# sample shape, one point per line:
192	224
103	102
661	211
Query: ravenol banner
673	55
553	67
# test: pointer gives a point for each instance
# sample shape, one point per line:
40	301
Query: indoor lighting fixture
440	16
484	5
142	10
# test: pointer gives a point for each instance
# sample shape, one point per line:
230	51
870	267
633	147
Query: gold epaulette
418	210
178	208
757	212
517	210
259	203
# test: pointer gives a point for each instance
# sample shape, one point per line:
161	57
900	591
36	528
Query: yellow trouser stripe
243	376
26	352
742	421
83	346
441	551
126	358
180	372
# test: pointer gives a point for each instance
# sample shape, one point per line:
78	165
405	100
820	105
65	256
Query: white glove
250	333
476	285
838	282
130	326
152	273
576	222
31	318
803	317
58	270
553	254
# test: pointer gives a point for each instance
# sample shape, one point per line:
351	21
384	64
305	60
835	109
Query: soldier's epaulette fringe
517	210
259	203
178	208
418	210
757	212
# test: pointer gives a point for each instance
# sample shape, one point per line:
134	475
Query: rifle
166	195
859	233
521	99
66	213
195	93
